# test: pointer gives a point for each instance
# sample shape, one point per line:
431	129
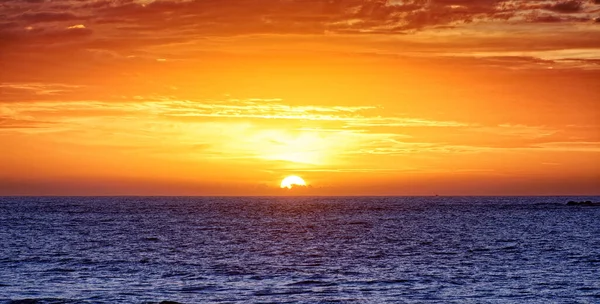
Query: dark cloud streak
47	17
571	6
233	17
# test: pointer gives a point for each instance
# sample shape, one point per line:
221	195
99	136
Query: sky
358	97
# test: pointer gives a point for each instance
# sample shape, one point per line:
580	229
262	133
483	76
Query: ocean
299	250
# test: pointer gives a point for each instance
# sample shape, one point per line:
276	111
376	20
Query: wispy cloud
252	128
577	146
517	130
587	58
36	88
268	109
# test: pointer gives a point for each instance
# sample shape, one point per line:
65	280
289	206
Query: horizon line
280	196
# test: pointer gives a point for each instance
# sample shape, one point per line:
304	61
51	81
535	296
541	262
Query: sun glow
292	180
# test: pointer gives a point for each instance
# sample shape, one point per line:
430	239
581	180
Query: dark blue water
299	250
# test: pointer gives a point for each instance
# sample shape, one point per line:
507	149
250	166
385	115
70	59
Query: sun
292	180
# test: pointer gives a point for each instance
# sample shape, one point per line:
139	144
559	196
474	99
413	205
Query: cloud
42	36
236	125
22	91
571	6
574	146
573	58
8	123
40	88
235	17
69	35
37	17
76	26
190	111
404	122
232	130
519	130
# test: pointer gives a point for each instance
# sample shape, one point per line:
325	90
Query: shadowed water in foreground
299	250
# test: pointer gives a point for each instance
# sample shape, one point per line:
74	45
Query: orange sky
359	97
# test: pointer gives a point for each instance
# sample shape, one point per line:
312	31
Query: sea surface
299	250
